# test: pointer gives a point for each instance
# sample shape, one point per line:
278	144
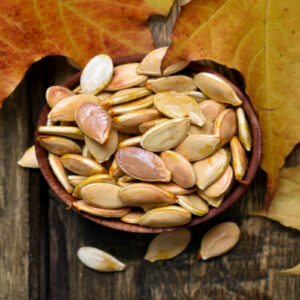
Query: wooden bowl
238	190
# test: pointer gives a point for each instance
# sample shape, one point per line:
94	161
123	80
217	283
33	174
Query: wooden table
39	238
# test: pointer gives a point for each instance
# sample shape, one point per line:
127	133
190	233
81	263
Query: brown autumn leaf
295	270
79	29
261	40
285	207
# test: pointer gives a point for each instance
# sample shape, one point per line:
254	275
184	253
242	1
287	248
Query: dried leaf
163	5
31	30
285	207
261	40
295	270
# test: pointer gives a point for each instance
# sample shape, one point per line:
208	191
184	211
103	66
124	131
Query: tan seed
76	179
29	160
149	124
211	109
94	121
82	205
239	158
196	95
72	132
115	170
243	129
131	142
219	240
214	202
207	128
142	164
194	204
167	245
56	93
81	165
58	145
132	217
175	188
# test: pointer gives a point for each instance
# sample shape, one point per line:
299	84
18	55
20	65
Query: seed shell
214	202
29	160
175	188
211	109
132	217
243	129
56	93
131	142
76	179
72	132
239	158
149	124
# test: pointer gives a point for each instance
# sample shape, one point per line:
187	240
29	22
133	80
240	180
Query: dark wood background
39	238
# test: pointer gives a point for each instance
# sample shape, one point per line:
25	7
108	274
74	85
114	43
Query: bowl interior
238	190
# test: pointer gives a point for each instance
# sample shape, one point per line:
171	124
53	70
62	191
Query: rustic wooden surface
39	238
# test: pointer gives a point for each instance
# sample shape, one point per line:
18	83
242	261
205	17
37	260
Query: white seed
219	240
29	160
96	74
167	245
99	260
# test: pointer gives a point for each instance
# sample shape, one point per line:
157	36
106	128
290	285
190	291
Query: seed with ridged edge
81	165
239	158
139	194
243	129
182	171
207	128
125	76
166	216
149	124
151	63
29	160
177	105
96	74
214	202
219	240
210	169
167	245
133	217
211	109
72	132
94	121
76	179
165	135
131	142
56	93
103	152
194	204
216	88
99	260
175	188
196	95
142	164
58	145
82	205
66	108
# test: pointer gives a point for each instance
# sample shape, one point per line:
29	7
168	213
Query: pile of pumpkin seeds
149	148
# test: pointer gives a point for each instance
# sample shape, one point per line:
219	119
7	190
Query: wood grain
39	238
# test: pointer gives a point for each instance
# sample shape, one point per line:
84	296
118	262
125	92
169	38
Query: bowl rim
232	197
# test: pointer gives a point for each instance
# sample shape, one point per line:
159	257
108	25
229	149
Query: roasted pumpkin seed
56	93
167	245
149	124
72	132
194	204
131	142
142	164
239	158
76	179
196	95
133	217
29	160
175	188
243	129
214	202
115	170
211	109
219	240
165	135
96	74
207	128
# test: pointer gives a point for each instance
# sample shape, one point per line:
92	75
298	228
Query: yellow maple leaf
261	40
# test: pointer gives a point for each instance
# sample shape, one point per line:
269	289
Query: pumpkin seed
56	93
150	65
214	202
166	216
178	83
194	204
58	145
197	147
99	260
222	185
207	128
66	131
103	96
219	240
65	109
239	158
96	74
182	171
132	106
85	152
126	95
59	172
175	188
243	129
167	245
82	205
216	88
196	95
132	217
104	178
94	121
165	135
104	195
139	194
125	76
115	170
142	164
211	109
29	160
76	179
225	126
103	152
211	168
131	142
149	124
81	165
177	105
129	123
